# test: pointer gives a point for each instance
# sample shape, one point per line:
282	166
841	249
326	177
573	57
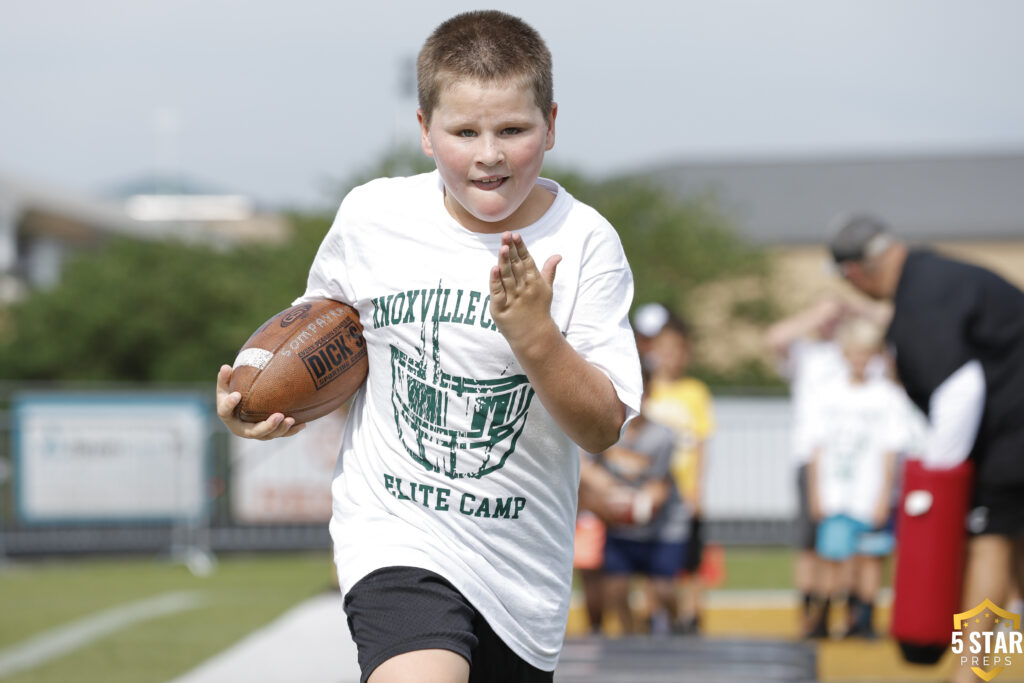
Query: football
304	362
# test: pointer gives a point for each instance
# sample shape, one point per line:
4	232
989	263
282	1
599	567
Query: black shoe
686	627
816	624
819	630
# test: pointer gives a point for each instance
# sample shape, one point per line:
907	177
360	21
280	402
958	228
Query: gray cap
858	237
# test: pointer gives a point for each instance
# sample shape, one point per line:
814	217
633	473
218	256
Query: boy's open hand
520	294
274	426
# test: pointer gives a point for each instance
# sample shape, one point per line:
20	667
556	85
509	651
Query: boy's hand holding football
275	426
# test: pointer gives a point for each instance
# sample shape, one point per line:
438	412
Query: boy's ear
428	148
550	140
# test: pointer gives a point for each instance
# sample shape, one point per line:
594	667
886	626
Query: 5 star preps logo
986	638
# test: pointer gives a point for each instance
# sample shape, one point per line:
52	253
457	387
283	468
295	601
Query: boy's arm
783	333
813	492
658	490
701	455
883	508
579	396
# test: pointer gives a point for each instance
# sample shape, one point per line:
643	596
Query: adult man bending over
958	335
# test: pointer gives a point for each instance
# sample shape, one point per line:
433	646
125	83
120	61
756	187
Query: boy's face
488	140
858	357
671	350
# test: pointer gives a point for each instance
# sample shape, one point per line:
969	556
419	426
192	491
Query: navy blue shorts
652	558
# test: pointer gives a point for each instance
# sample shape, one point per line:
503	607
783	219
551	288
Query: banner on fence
286	480
95	457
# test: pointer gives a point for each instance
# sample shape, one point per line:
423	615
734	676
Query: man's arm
781	335
954	416
579	396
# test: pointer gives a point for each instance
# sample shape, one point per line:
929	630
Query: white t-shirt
450	462
814	368
857	426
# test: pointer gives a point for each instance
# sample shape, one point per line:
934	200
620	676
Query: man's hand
520	294
275	426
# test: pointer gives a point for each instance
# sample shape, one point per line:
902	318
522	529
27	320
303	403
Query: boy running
455	494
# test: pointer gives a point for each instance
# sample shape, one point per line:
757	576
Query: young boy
862	426
804	348
683	403
647	520
455	495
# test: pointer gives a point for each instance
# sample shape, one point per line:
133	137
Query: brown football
304	362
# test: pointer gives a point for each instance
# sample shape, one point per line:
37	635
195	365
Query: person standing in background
684	404
862	425
631	486
805	351
958	335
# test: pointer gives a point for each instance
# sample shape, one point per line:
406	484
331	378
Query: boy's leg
691	583
808	566
869	577
616	596
835	545
815	624
406	617
664	592
593	587
621	561
423	666
864	594
666	560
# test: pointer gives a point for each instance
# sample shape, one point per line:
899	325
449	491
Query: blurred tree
153	311
674	245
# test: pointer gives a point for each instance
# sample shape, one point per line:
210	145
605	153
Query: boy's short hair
486	46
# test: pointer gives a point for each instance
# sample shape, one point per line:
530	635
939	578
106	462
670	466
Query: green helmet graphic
461	426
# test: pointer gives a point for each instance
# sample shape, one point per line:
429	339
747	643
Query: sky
284	101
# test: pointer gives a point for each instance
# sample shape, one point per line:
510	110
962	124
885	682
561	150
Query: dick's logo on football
987	639
334	355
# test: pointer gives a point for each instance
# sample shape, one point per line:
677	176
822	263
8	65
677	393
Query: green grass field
758	568
243	594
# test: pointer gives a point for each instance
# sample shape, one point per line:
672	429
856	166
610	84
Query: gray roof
923	198
20	195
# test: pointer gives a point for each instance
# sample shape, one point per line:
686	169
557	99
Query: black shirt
946	314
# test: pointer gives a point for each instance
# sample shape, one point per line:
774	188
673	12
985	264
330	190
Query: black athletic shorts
806	527
403	609
997	510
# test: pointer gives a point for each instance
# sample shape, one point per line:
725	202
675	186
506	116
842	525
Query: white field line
71	636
